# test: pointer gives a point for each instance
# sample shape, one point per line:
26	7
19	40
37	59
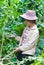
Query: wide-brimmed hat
29	15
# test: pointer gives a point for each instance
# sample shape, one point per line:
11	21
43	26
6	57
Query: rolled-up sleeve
30	43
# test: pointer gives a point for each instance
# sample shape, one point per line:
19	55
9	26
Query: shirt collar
33	28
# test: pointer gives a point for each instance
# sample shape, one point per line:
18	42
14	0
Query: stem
8	55
2	38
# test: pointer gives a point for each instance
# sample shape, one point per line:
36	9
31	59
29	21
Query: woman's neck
31	25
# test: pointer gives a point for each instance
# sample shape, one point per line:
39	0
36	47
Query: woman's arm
18	38
15	36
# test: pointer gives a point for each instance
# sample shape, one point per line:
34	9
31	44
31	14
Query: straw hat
29	15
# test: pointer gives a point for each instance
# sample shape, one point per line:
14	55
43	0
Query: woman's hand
12	36
15	36
17	50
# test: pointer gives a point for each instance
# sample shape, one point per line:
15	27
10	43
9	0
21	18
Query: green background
12	23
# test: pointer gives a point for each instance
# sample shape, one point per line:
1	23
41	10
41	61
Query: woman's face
28	23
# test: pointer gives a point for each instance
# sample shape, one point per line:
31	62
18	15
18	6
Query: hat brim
29	17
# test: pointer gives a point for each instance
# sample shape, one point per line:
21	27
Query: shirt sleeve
30	43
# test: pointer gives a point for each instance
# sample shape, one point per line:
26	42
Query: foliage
11	23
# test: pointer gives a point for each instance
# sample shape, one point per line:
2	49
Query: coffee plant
12	23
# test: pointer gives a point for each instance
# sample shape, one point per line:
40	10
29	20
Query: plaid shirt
29	40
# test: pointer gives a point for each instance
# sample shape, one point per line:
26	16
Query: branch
8	55
2	37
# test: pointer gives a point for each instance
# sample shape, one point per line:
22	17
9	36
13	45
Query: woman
29	38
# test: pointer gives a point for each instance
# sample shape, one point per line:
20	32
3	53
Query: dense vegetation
12	23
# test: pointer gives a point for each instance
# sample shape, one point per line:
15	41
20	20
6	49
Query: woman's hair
34	21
